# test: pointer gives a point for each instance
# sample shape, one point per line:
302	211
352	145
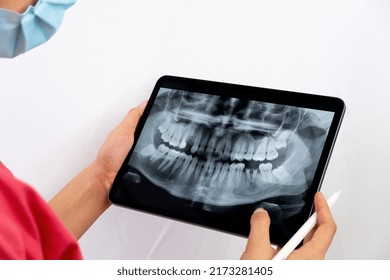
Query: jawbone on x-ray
224	151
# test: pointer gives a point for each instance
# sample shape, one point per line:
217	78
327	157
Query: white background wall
60	101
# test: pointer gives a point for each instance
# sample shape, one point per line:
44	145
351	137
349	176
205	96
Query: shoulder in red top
29	229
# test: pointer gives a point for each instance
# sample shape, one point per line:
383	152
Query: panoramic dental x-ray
220	152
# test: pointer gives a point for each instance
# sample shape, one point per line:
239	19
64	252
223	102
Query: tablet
210	153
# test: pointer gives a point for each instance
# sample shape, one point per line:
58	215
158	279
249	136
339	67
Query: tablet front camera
225	152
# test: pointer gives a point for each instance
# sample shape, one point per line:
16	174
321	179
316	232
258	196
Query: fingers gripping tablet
210	153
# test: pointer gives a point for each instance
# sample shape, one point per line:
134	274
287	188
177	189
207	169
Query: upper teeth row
244	148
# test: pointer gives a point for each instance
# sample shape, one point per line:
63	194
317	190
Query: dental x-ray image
225	155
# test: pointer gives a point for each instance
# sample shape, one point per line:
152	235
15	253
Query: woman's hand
315	245
116	147
85	197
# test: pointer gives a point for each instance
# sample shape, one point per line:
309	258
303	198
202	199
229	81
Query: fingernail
258	210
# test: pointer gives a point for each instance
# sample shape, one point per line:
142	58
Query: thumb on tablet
259	245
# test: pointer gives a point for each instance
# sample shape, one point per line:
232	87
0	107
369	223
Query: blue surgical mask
22	32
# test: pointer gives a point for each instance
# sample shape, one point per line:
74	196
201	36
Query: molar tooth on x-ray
223	151
261	150
179	162
203	144
271	150
280	173
216	173
223	173
240	147
266	172
250	150
211	147
281	140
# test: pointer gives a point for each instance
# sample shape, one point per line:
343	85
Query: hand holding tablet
317	232
210	153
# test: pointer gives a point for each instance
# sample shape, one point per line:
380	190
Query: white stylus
303	231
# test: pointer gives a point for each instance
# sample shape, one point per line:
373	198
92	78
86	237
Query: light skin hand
85	198
116	147
18	6
315	245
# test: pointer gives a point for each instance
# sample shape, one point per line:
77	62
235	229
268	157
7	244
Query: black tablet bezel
319	102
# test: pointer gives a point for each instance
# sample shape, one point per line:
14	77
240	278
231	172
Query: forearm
85	198
81	202
17	5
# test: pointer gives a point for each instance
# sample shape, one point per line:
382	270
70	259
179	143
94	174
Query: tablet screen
213	159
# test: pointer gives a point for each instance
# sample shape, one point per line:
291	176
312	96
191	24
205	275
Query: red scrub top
29	228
